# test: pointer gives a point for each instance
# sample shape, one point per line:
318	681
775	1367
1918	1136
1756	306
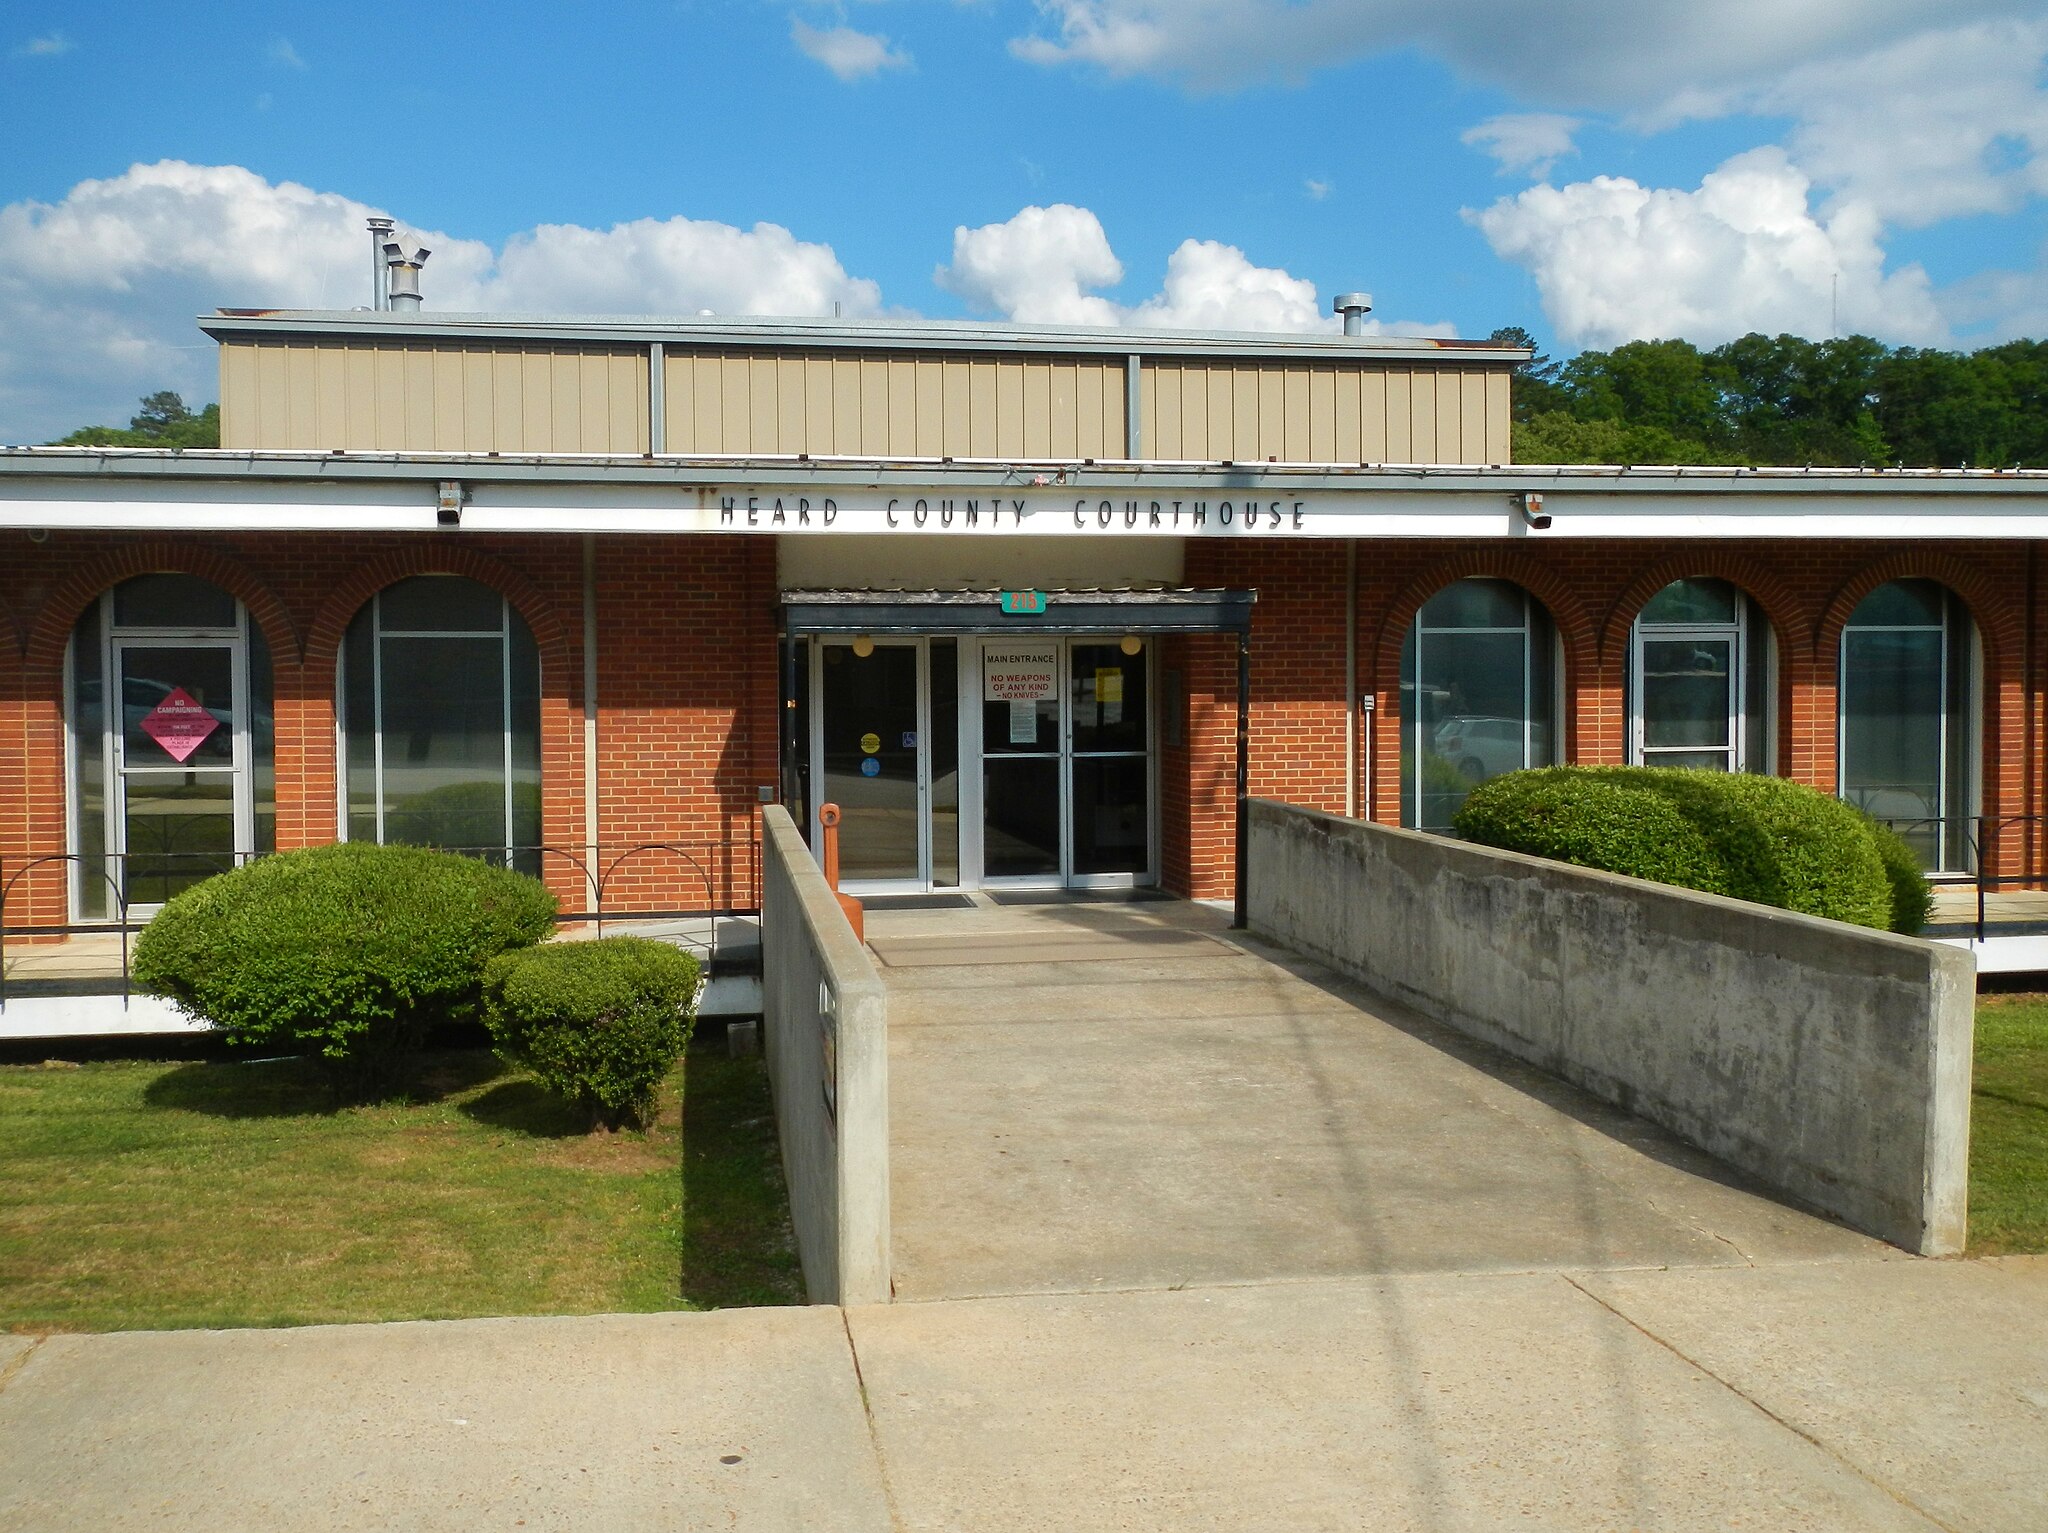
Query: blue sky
1589	170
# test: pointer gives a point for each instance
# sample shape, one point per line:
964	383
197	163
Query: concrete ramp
1089	1098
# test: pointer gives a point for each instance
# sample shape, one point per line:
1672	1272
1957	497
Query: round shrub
600	1023
1912	895
352	951
1756	838
1573	815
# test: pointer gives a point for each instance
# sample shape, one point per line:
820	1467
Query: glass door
1110	764
1066	763
868	756
180	751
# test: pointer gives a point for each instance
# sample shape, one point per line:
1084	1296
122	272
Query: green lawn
152	1195
2009	1126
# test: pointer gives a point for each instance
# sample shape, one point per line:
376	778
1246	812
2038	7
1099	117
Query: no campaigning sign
180	724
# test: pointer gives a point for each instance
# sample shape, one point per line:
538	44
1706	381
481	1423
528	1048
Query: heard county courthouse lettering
1000	593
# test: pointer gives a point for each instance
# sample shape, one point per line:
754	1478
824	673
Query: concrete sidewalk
1850	1395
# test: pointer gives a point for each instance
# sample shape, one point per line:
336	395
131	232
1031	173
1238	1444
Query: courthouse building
584	593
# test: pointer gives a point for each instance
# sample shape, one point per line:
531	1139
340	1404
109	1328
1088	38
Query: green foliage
598	1023
1784	400
1755	838
163	421
1912	895
351	951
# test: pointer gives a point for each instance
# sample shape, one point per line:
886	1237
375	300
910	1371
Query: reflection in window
1906	695
1477	695
441	721
1700	677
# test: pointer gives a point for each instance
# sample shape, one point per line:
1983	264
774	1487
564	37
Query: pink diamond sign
180	724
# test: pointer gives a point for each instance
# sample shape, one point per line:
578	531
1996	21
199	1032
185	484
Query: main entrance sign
1034	512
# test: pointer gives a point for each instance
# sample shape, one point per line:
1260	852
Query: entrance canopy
902	615
1018	612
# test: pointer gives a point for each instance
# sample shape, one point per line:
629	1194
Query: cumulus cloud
1571	52
1942	125
1528	142
849	54
1038	267
97	291
1035	268
1615	261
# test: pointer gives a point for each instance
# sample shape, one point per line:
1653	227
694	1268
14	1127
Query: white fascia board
802	508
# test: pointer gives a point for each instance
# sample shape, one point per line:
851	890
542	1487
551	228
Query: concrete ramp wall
826	1025
1828	1061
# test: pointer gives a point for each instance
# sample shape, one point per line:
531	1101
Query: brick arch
1787	619
1567	612
1999	624
323	639
51	631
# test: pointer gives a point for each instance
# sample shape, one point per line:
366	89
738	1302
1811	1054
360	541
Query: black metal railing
1981	839
726	872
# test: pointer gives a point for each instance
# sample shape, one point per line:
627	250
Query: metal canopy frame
807	613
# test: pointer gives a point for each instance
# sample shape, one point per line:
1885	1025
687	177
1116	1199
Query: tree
164	420
1535	390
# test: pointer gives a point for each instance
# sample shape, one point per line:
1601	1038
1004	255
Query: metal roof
757	333
1110	475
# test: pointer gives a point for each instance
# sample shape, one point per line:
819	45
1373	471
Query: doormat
1127	946
915	902
1077	896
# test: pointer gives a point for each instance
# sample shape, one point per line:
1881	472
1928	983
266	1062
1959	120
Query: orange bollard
828	821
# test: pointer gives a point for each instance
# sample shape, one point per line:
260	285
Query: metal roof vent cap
1354	307
403	267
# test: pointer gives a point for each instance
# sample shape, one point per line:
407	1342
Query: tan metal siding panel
1500	446
1294	423
790	373
1092	434
1034	416
1346	386
1009	410
1450	397
981	394
820	422
471	420
593	402
1422	421
1400	416
957	407
928	383
326	372
1159	411
1113	410
416	370
900	389
1320	426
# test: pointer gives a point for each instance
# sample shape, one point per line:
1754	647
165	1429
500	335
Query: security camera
1530	504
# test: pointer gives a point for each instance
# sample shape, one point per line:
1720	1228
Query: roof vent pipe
1354	307
403	267
380	231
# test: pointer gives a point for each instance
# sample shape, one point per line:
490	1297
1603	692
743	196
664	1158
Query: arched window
1700	680
172	768
440	684
1478	695
1908	717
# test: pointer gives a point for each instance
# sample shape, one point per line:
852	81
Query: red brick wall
1592	591
688	686
684	619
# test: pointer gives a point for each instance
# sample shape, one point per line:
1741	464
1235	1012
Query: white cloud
1941	125
97	291
1211	286
1572	52
1615	261
1038	267
48	46
1318	191
1035	268
848	54
282	53
1529	142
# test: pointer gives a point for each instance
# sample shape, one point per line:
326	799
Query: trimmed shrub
1573	815
598	1023
1912	895
352	951
1755	838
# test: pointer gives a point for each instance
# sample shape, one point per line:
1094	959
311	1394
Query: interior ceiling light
863	646
1131	644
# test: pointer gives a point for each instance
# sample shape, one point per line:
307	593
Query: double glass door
1056	737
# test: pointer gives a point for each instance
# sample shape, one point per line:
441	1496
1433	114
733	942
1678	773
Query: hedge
1755	838
350	951
599	1023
